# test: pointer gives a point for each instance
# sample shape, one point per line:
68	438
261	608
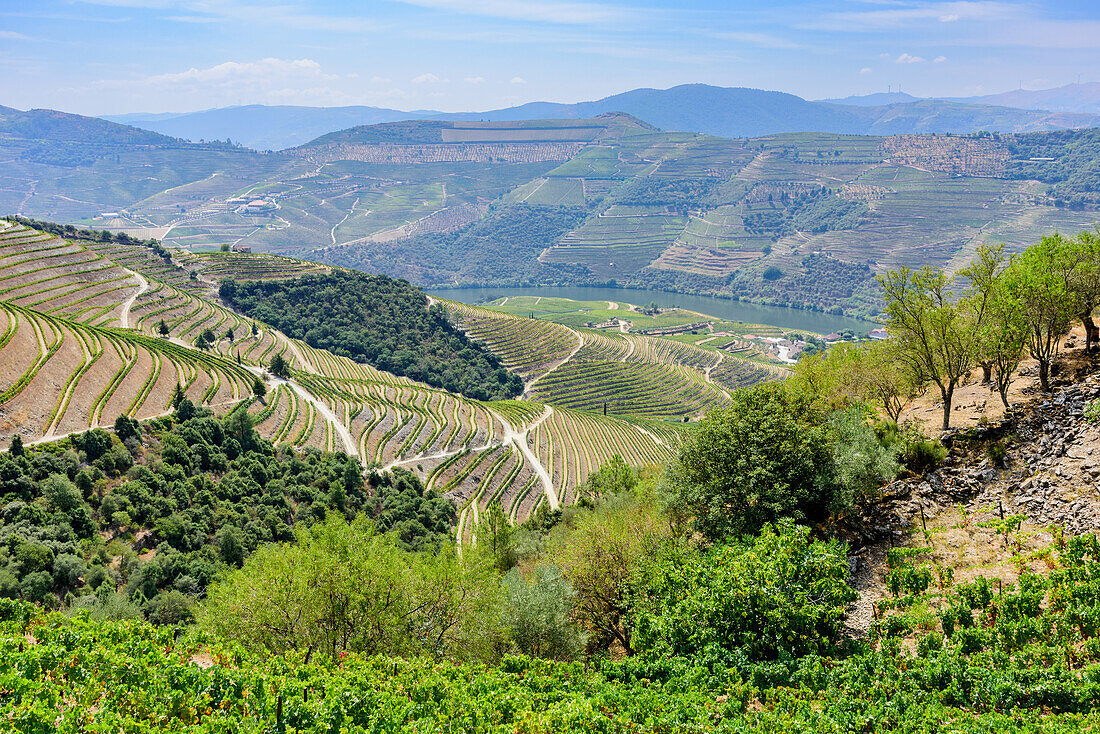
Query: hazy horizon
155	56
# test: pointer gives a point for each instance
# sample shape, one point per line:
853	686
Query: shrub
780	593
764	458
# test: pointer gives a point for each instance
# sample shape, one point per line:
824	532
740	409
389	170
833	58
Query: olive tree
935	334
1002	334
1037	282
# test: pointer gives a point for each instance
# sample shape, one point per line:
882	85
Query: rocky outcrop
1050	471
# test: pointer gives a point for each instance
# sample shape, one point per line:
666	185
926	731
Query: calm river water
785	318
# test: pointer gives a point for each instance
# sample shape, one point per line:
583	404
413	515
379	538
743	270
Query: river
784	318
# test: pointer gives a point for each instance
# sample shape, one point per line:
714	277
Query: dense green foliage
159	513
778	594
1021	658
383	322
1073	170
419	518
679	195
343	587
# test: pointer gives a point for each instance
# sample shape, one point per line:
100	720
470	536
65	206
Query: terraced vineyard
81	343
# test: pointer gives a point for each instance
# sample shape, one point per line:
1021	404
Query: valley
94	330
803	220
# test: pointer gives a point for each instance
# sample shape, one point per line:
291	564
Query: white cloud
231	72
949	18
544	11
474	80
429	78
380	80
264	81
13	36
517	80
866	70
908	59
939	60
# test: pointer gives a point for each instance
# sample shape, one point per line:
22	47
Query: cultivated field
81	343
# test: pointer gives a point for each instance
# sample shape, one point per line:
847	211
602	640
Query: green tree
126	427
258	387
279	366
537	614
856	373
178	396
764	458
860	462
342	587
615	476
1002	335
1037	282
238	424
1084	281
604	558
16	448
494	533
162	328
935	335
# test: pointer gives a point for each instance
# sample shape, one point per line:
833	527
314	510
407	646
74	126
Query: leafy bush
780	593
764	458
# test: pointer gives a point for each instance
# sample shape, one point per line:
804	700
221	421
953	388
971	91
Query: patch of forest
1073	171
138	522
379	321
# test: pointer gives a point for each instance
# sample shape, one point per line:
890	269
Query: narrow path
612	306
580	343
520	439
345	435
706	372
629	341
143	285
532	191
333	232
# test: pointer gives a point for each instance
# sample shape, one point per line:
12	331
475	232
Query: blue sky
114	56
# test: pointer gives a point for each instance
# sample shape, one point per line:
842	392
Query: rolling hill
580	201
724	111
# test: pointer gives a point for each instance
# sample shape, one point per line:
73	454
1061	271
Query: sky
120	56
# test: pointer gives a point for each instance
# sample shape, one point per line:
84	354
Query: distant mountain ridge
263	127
733	112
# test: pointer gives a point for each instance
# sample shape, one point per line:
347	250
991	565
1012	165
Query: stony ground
1049	475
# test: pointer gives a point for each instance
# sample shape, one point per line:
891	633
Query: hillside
591	201
51	125
965	594
96	329
1080	98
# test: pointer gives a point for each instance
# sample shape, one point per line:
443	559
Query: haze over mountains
724	111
